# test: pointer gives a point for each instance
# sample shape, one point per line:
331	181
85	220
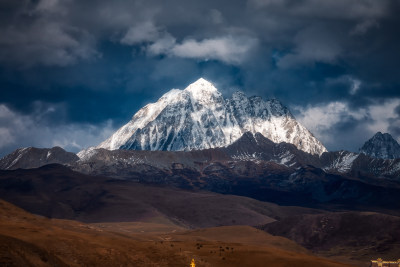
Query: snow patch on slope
343	162
87	153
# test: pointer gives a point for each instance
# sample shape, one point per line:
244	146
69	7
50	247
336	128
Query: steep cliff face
198	117
381	145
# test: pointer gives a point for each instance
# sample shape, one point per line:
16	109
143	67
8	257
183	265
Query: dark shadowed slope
359	236
255	167
56	191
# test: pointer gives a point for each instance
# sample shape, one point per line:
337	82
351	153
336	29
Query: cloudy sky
72	72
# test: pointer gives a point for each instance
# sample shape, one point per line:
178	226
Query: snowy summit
381	145
198	117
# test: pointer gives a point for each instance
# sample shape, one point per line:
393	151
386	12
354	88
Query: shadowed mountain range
256	167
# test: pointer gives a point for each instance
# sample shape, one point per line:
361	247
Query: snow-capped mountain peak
201	85
381	145
198	117
203	92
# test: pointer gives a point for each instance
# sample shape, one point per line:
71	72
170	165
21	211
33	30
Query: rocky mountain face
32	157
198	117
381	145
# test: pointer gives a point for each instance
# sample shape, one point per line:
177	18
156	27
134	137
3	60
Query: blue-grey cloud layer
94	63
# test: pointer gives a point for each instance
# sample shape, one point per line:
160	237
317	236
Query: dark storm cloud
394	126
93	61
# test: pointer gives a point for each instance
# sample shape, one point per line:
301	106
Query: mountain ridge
381	145
249	147
32	157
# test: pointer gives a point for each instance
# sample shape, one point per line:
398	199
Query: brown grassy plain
31	240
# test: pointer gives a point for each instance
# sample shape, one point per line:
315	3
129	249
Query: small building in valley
381	263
